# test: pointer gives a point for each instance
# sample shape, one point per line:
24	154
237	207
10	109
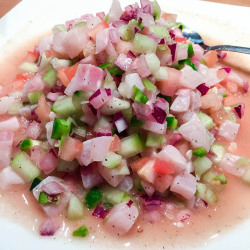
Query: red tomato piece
180	39
116	144
66	74
101	26
163	167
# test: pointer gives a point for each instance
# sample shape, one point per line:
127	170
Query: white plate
30	18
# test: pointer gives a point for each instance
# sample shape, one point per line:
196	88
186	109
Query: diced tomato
24	76
180	39
169	86
71	147
43	109
32	56
66	74
145	31
101	26
116	144
163	167
138	164
211	58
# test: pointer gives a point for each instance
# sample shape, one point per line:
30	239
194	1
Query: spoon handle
229	48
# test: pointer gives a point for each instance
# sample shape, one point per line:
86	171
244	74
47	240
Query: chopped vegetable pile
130	107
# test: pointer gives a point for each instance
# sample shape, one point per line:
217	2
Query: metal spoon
196	38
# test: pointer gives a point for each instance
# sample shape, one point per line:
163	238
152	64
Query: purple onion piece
155	37
119	23
227	69
172	48
94	111
100	134
97	93
171	33
137	29
108	91
54	152
203	88
129	204
245	86
100	212
239	110
131	55
163	41
147	9
118	116
159	115
150	203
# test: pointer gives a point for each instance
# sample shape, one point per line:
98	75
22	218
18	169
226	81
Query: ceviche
131	108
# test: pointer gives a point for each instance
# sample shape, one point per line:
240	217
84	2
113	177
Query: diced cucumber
45	64
200	152
137	183
206	194
154	140
122	89
243	162
160	31
221	178
80	232
201	165
219	151
138	96
161	73
23	165
61	127
143	44
81	131
135	122
14	108
64	107
29	143
50	78
34	96
75	209
114	195
128	113
81	24
157	10
28	67
80	96
153	61
68	167
35	182
209	176
58	63
58	28
114	105
171	122
126	32
111	160
149	86
206	120
131	145
102	123
93	197
47	199
110	85
246	176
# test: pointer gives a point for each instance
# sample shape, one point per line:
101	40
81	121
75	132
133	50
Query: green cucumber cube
131	145
75	209
143	44
64	107
154	140
34	96
23	165
111	160
201	165
50	78
206	120
61	127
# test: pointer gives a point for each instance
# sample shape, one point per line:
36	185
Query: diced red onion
175	138
221	54
99	134
142	109
94	111
131	55
100	212
114	35
120	122
172	48
101	15
128	14
49	227
119	23
159	115
53	188
203	88
130	203
150	203
161	103
137	29
49	162
97	93
163	41
147	9
155	37
239	110
227	69
108	91
245	86
123	62
171	33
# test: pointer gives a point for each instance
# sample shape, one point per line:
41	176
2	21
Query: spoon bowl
193	36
